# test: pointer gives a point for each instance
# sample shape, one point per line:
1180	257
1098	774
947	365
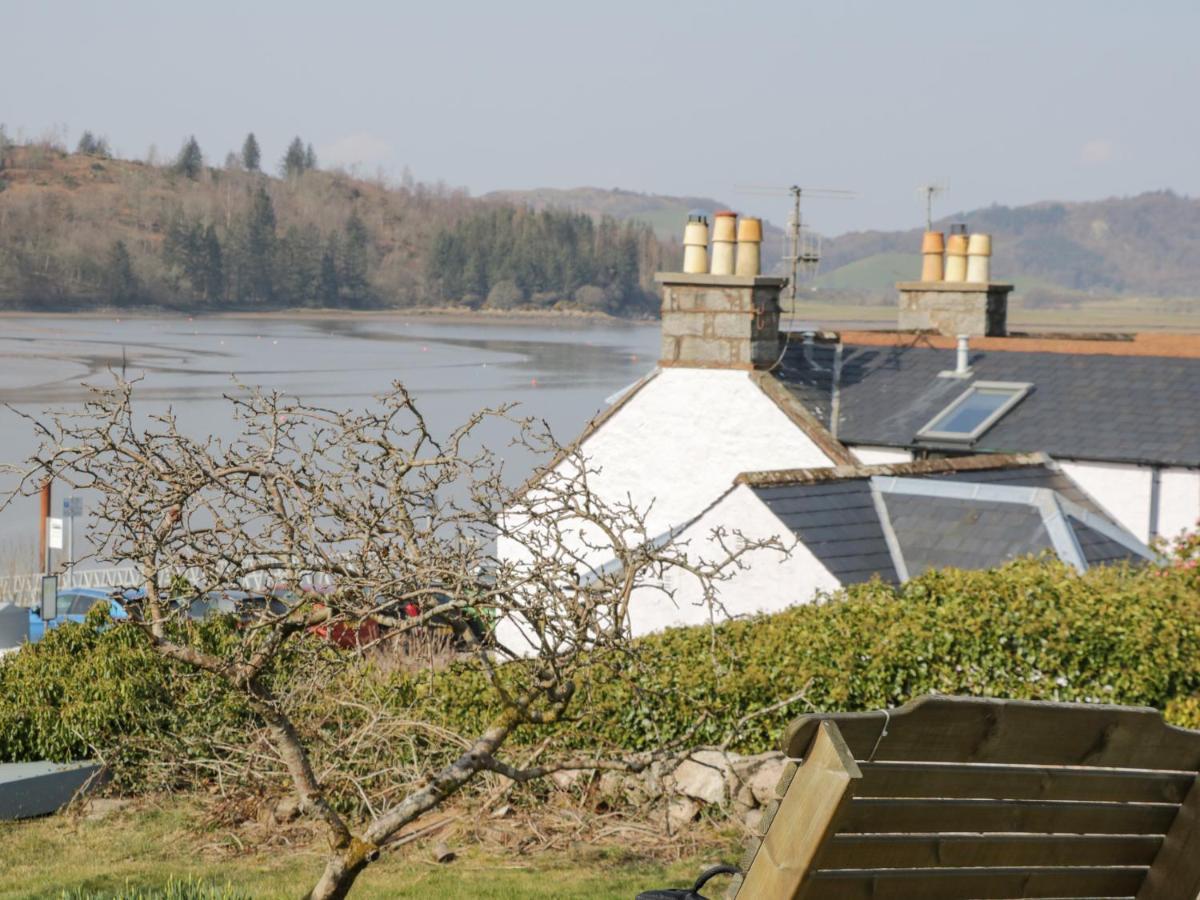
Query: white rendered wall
1178	502
770	582
1123	490
677	445
873	456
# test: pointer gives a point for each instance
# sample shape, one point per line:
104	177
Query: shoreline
457	314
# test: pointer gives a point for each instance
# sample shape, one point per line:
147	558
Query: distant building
1121	416
1118	419
847	525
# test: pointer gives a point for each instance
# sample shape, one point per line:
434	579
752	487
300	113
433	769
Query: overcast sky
1011	101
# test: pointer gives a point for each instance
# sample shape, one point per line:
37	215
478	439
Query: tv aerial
928	192
804	248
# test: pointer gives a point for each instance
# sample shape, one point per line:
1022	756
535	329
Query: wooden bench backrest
951	798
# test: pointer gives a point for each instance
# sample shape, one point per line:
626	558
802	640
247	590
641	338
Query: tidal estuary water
559	371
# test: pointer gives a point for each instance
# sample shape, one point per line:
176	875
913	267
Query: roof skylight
974	411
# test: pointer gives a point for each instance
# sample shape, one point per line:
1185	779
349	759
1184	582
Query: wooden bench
949	798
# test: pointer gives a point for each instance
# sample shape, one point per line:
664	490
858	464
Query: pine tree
251	155
354	259
214	267
293	161
190	161
260	248
90	145
298	265
327	282
120	284
310	158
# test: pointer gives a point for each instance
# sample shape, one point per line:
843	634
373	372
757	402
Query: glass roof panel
974	411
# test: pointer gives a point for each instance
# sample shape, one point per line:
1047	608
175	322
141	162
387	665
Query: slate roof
899	521
945	532
1138	409
1097	549
839	523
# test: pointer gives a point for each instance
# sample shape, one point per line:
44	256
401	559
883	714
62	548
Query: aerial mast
804	248
929	191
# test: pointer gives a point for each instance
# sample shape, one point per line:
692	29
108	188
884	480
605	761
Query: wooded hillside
83	230
1143	246
1056	253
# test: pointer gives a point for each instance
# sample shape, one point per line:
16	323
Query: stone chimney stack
963	301
727	317
720	321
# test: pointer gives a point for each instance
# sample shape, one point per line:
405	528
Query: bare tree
371	503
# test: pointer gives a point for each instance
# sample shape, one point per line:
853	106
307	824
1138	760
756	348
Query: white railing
26	590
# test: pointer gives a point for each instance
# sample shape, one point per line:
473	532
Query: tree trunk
341	870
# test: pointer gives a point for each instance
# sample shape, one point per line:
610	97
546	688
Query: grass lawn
145	847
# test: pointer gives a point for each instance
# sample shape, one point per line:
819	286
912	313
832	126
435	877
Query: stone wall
977	310
725	321
740	786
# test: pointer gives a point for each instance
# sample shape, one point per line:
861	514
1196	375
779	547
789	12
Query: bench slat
982	730
1028	816
982	884
921	779
909	851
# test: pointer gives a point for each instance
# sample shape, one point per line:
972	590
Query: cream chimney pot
724	241
956	258
695	244
979	258
933	245
749	246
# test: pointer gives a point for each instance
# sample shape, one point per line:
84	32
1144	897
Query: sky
1011	102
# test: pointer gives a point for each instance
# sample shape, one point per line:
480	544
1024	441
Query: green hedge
93	689
1032	629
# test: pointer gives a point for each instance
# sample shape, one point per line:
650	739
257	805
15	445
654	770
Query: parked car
73	606
245	605
340	634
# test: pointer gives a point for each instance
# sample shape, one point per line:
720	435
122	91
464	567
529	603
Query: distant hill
84	230
1143	246
665	214
80	230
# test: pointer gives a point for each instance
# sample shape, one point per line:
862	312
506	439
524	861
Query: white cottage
733	394
849	524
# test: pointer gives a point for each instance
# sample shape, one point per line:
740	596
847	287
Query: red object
346	636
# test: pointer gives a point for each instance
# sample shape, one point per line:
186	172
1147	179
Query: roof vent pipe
933	245
695	243
962	365
979	258
808	346
749	246
724	240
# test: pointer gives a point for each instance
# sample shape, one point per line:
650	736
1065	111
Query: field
144	847
1120	315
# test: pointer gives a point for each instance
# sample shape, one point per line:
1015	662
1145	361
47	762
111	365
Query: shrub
1030	630
94	690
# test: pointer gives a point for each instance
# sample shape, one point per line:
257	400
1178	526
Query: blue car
73	605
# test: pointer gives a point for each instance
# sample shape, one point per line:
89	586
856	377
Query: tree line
507	257
90	229
252	263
